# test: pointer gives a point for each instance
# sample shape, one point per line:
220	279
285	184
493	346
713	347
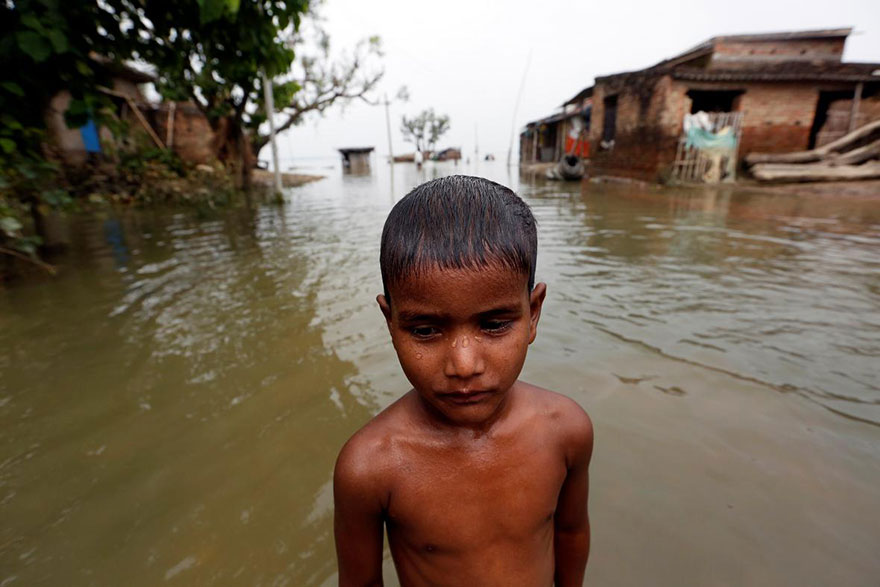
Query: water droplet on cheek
455	343
478	339
419	356
465	342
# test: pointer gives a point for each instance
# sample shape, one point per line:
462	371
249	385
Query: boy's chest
464	499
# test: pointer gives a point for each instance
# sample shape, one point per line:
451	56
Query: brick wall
193	138
778	117
648	122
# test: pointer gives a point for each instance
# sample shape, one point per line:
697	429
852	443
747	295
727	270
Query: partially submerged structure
356	159
771	93
448	154
178	126
549	139
72	146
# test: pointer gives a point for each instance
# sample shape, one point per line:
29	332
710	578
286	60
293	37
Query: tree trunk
232	147
257	144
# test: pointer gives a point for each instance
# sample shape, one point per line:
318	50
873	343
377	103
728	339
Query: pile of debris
853	156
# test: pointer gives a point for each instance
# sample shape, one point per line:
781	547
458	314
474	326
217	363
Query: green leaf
83	68
34	45
13	88
8	145
10	123
211	10
32	22
59	40
27	246
232	6
9	225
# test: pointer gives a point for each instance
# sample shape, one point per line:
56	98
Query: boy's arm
357	520
572	523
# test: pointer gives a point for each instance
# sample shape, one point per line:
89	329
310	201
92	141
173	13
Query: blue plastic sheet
90	137
703	139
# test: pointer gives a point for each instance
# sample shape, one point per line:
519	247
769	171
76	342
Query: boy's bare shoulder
367	457
566	416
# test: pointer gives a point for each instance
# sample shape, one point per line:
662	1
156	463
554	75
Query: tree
414	129
424	129
46	47
209	51
437	127
318	81
213	52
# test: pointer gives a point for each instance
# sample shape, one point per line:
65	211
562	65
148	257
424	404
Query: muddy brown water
172	402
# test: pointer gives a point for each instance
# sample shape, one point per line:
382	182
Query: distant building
778	92
450	154
356	159
185	129
72	146
546	140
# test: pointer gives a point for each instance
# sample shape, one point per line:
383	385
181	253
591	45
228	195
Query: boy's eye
496	326
424	331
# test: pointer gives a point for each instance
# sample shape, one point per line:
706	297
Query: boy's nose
464	359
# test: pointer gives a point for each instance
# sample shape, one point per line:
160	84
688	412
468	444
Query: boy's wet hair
458	222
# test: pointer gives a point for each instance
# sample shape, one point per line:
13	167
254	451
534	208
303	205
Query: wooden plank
172	114
137	113
854	112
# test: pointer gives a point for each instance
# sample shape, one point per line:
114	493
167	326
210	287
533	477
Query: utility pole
522	84
270	111
388	127
476	145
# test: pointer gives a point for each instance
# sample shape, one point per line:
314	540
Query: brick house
792	89
72	146
565	132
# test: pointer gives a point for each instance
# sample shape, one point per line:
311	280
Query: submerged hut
356	159
770	93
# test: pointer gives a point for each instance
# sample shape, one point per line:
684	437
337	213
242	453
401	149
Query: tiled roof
786	71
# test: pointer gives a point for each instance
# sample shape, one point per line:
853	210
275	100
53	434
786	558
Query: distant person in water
479	478
418	158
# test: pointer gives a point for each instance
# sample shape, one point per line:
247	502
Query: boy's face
461	336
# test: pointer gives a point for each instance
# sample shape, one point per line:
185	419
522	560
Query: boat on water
569	168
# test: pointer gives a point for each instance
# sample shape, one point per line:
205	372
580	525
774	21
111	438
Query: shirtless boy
479	478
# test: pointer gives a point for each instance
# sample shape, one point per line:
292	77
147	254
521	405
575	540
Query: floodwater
171	404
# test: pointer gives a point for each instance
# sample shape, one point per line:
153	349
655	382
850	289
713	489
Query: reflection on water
171	404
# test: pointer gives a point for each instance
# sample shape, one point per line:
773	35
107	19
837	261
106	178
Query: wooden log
818	154
856	156
797	173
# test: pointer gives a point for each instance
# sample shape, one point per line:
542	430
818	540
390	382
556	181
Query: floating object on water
569	168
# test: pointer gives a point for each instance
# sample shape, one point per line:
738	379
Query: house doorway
609	122
714	100
829	123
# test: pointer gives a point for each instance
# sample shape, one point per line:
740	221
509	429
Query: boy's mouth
466	397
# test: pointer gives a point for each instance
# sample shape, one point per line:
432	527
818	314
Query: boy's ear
385	307
536	301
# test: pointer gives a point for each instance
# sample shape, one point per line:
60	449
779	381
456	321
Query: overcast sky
466	58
